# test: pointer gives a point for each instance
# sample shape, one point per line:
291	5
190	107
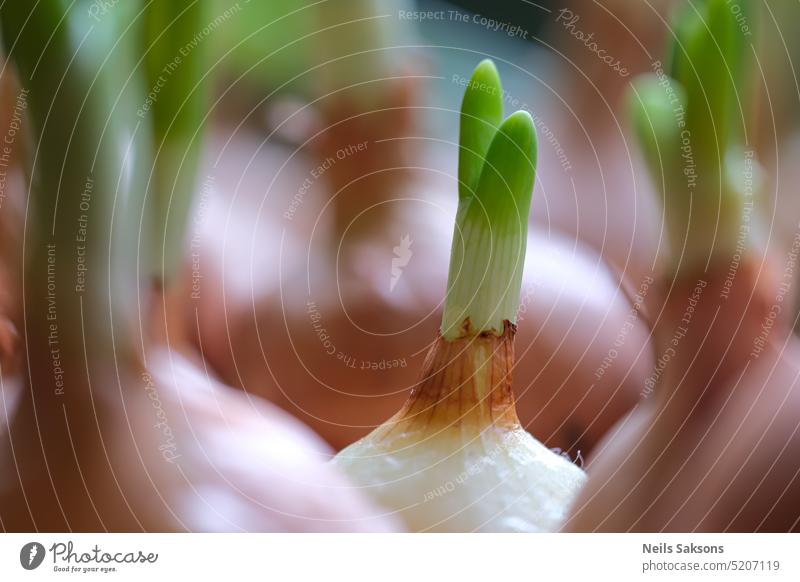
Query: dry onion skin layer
455	457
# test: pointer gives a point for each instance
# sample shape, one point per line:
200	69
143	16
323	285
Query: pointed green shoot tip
707	60
687	26
654	104
730	28
481	114
506	182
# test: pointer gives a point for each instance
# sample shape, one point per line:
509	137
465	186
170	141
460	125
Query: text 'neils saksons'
664	548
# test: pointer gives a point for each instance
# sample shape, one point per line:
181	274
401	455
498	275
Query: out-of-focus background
319	254
315	260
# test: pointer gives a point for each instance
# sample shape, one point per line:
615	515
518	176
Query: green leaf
653	112
688	149
176	65
686	25
710	69
506	182
481	114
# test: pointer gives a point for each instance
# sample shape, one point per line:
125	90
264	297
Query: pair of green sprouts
689	115
689	118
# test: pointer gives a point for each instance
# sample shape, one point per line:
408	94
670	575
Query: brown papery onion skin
456	390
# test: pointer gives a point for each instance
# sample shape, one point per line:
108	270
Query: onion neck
464	384
708	333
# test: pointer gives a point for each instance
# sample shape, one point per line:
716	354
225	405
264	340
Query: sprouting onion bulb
714	448
455	457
